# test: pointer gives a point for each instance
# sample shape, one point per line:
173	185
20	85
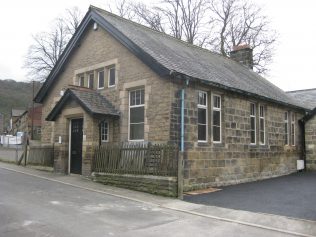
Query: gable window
111	77
261	125
292	128
252	123
216	118
136	114
90	80
286	128
202	116
104	131
101	79
81	80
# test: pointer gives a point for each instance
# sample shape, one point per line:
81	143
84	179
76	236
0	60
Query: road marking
165	207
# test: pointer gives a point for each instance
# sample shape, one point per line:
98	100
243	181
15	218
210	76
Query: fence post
180	175
25	142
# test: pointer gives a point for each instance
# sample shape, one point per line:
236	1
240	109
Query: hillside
15	94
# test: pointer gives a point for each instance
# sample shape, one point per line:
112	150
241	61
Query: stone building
308	123
118	81
15	116
30	119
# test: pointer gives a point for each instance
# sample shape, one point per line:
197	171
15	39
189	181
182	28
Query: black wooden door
76	146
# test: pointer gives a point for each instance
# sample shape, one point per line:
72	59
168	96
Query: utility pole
32	114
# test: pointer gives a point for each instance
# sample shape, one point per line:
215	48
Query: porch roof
91	101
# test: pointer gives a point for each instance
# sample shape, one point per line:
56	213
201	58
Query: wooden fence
136	158
42	155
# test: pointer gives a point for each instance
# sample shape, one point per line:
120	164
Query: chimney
243	54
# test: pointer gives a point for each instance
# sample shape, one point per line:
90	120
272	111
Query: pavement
38	203
291	195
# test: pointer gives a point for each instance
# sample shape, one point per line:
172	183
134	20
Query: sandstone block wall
234	160
310	143
165	186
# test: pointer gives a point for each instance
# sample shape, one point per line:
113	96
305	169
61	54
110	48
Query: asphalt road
292	195
35	207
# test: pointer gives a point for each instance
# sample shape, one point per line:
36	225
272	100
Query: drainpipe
182	115
182	120
303	144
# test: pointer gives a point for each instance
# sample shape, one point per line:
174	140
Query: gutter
235	90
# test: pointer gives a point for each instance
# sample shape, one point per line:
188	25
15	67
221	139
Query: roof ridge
159	32
309	89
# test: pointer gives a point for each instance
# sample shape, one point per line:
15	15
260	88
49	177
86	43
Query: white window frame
292	129
255	128
262	117
129	114
287	132
79	80
109	74
99	78
89	74
201	106
220	117
102	131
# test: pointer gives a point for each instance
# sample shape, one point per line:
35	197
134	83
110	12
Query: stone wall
165	186
233	160
98	48
310	143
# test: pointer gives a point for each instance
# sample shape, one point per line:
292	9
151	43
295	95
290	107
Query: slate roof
17	112
90	100
169	56
196	62
306	97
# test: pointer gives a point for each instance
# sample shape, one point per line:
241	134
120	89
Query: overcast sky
292	68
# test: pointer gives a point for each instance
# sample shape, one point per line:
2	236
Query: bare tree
123	8
182	19
238	22
48	46
216	24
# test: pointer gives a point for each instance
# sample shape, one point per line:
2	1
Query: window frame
219	109
99	71
255	123
202	106
109	76
102	129
129	114
89	74
81	80
293	129
286	133
262	117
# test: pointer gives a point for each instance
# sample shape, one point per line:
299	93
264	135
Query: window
81	80
252	123
261	125
216	118
90	80
136	114
100	79
202	116
111	77
293	129
104	131
286	128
